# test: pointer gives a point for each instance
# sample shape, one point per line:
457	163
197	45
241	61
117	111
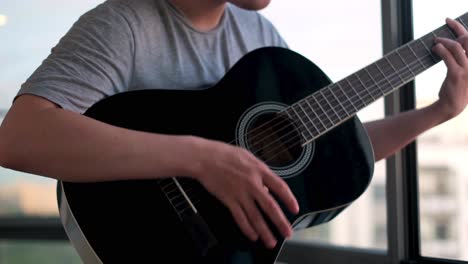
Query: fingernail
272	243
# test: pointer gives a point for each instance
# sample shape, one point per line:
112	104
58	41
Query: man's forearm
391	134
68	146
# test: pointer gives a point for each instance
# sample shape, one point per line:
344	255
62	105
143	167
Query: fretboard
330	106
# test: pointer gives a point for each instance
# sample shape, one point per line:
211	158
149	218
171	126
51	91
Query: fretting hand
453	95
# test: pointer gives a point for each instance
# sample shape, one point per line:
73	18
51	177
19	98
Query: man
176	44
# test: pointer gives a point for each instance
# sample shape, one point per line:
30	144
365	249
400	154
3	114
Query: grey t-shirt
123	45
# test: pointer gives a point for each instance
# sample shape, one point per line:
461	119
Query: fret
384	75
426	48
331	101
340	88
295	119
410	59
407	66
310	119
392	73
289	115
443	32
323	111
394	70
463	23
401	66
347	97
451	32
329	104
368	83
426	58
428	40
376	82
305	125
357	94
336	99
318	117
417	57
364	86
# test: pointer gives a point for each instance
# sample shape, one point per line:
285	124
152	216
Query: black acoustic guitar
273	102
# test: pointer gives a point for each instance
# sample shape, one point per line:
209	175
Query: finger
443	51
255	217
281	188
242	221
463	40
456	26
455	48
274	212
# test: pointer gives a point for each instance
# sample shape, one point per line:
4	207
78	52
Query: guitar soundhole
274	139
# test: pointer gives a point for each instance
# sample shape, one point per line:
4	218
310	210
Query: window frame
403	231
32	228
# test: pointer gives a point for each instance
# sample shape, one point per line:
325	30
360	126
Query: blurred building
443	195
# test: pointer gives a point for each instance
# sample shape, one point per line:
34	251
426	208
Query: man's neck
203	14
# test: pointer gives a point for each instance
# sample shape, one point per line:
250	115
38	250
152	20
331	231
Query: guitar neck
330	106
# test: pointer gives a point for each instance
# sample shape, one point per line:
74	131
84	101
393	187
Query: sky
338	36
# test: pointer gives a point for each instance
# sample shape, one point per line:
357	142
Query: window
24	46
28	30
442	153
341	37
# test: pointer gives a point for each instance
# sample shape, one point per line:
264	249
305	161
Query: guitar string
357	94
285	142
442	30
295	138
322	114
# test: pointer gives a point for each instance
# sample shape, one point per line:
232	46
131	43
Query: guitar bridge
194	224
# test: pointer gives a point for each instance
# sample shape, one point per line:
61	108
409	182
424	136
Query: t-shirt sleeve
92	61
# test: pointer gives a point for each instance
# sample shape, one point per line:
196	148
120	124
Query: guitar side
134	221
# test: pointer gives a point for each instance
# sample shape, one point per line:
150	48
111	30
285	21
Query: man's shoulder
127	8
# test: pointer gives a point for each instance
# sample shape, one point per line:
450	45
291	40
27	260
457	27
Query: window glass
442	152
341	37
28	30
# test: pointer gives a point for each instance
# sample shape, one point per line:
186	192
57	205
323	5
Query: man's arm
39	137
391	134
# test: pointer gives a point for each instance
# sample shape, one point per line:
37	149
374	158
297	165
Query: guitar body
139	222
